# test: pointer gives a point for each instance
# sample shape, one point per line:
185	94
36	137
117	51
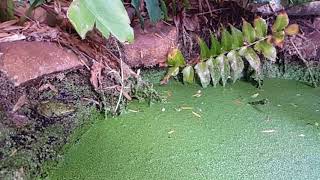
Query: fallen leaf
292	29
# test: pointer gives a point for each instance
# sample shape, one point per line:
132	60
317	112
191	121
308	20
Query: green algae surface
211	133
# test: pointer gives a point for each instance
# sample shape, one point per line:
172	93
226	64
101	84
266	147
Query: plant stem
122	83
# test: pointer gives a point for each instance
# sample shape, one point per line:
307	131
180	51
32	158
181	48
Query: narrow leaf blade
215	48
226	40
204	49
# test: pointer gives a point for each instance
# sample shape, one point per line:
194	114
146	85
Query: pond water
212	133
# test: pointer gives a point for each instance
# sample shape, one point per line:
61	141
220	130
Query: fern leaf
236	65
203	73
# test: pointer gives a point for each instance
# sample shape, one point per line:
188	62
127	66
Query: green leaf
267	50
204	49
248	32
224	68
203	73
226	40
7	10
260	25
110	16
38	2
214	69
175	58
154	10
215	48
237	37
188	74
251	56
164	9
173	71
236	64
282	21
278	38
136	5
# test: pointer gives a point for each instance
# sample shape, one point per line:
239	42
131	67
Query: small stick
121	69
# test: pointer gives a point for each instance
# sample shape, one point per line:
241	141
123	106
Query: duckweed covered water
212	134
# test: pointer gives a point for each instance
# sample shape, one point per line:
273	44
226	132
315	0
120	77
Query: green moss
222	137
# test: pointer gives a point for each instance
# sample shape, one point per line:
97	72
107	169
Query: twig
210	12
121	69
306	63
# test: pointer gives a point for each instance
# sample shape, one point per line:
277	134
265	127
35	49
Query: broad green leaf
215	48
175	58
204	49
251	56
188	74
248	32
236	64
278	38
226	40
110	16
214	69
224	68
203	73
260	25
269	51
154	11
237	37
282	21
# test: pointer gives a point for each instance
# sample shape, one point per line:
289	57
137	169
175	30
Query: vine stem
305	62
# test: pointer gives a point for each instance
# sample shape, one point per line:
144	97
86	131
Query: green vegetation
208	134
224	59
108	16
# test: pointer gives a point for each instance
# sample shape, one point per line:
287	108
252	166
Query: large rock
151	45
23	61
